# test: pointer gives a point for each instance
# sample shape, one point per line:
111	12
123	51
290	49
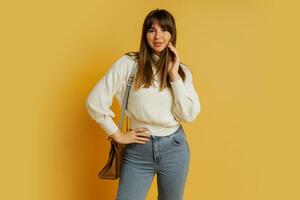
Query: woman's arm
186	104
100	98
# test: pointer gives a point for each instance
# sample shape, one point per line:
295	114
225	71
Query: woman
162	96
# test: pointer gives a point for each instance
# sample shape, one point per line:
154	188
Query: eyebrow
154	27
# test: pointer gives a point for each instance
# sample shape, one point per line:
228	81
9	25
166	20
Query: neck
155	56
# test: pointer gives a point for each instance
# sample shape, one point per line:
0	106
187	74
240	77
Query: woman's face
158	38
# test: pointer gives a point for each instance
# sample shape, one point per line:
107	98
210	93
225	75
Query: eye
153	30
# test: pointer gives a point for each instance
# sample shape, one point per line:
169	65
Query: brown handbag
112	168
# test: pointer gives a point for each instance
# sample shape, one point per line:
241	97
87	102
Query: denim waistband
154	129
176	132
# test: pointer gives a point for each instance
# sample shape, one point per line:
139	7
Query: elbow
87	105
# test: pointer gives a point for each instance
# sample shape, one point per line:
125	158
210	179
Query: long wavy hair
144	57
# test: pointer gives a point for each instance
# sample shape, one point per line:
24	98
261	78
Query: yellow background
244	56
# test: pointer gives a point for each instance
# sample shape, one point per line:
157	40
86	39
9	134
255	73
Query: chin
159	50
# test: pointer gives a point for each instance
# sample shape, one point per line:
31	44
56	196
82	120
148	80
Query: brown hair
144	56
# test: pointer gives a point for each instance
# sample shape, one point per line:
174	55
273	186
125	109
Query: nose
158	34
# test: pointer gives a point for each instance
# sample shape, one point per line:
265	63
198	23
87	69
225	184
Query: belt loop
153	137
171	135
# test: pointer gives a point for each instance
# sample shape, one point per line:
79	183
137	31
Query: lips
158	43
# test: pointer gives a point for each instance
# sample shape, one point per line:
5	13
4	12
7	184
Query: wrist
116	135
174	76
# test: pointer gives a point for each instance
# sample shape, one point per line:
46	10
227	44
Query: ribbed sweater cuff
109	126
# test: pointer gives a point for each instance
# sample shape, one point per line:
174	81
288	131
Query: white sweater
160	112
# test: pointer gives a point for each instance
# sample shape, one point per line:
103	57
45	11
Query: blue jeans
168	156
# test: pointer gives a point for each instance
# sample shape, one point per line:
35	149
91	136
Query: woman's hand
137	135
174	64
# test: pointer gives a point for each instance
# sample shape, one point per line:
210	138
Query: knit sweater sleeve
100	99
186	104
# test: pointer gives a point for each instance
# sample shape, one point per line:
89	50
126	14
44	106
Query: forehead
156	25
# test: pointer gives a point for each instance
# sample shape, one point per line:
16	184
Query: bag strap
125	101
124	105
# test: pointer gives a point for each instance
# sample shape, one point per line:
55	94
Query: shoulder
188	73
127	58
123	60
186	69
123	65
